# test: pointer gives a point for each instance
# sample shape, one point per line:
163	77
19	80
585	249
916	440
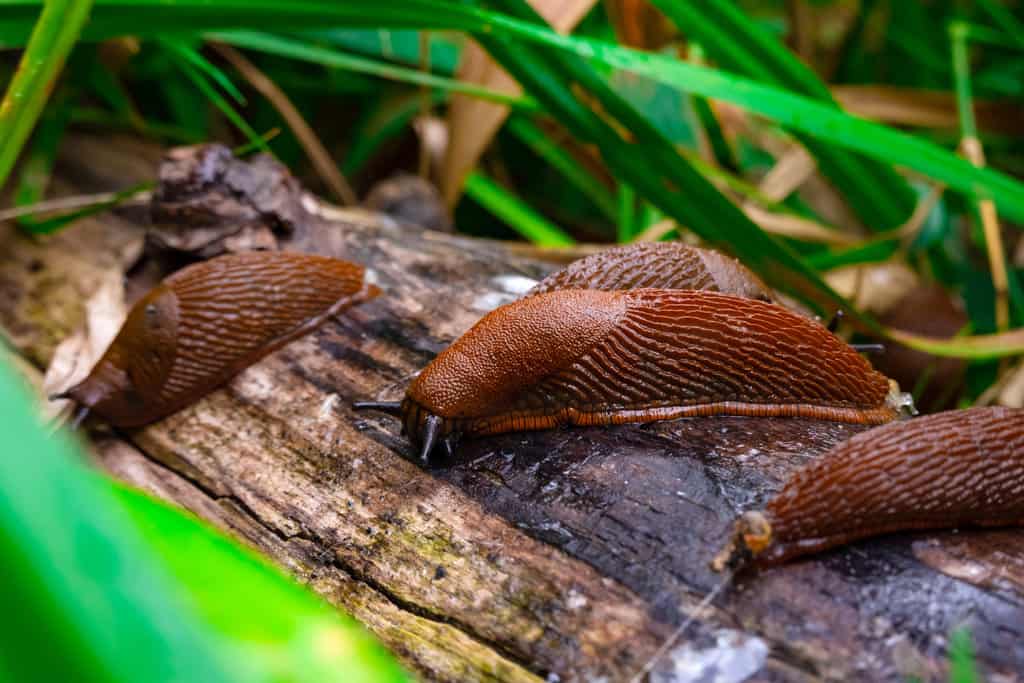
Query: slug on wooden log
207	322
951	469
657	265
588	357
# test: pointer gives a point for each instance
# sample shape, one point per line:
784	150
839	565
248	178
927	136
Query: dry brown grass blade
925	108
971	147
318	155
639	24
471	122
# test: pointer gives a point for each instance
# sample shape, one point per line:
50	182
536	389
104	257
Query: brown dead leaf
74	357
640	24
1012	394
472	122
925	108
874	288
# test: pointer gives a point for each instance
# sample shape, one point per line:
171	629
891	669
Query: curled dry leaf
74	357
876	287
209	203
1012	394
472	122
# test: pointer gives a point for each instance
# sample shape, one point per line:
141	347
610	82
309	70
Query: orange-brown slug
588	357
657	265
207	322
952	469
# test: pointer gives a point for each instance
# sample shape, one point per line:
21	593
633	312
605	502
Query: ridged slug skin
588	357
657	265
951	469
207	322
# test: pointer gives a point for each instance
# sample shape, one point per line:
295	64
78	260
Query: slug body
657	265
958	468
588	357
207	322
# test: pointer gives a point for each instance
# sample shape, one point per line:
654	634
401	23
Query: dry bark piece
209	203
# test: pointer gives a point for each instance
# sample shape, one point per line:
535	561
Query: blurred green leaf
52	38
962	668
106	584
550	151
517	215
86	599
268	618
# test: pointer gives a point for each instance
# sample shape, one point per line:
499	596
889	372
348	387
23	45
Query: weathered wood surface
567	555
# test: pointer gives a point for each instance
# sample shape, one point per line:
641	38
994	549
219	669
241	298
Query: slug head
129	375
423	428
751	536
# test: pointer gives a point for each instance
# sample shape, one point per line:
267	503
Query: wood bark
566	555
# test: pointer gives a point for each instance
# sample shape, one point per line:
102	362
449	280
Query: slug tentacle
431	431
207	322
389	407
951	469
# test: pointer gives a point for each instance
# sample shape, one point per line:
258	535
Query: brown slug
589	357
657	265
207	322
951	469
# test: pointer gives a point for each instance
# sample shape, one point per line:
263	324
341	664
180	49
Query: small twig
318	155
671	640
67	203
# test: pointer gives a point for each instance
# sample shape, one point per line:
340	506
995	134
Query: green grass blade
51	40
37	166
87	601
510	209
649	163
799	113
199	79
52	224
296	49
546	148
627	213
1002	16
962	667
878	194
193	57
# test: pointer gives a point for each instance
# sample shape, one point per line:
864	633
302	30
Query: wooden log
567	555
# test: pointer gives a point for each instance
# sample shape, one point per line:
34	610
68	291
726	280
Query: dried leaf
472	122
876	287
74	357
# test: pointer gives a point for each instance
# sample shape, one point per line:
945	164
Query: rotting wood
570	553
